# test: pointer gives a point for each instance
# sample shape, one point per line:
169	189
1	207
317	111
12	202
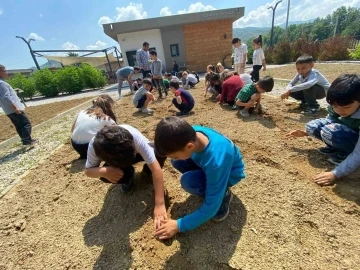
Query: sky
76	24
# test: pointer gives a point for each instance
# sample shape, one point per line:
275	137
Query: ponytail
258	40
102	107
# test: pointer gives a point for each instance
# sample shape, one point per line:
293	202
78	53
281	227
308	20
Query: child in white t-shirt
190	80
258	59
90	121
240	55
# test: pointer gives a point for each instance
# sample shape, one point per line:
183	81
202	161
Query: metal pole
336	25
31	51
287	18
273	18
108	63
117	56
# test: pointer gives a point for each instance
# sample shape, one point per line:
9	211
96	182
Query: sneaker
120	98
244	113
327	150
182	113
310	111
337	158
146	110
140	109
234	107
31	143
303	104
223	211
127	186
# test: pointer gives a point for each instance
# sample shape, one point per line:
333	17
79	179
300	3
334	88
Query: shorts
141	102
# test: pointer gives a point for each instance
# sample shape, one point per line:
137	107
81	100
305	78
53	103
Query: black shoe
31	143
310	111
327	150
182	113
337	158
223	211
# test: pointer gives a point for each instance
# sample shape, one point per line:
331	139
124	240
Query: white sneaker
146	110
244	113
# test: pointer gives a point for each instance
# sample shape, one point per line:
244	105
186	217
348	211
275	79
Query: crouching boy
340	130
121	146
183	100
143	97
210	165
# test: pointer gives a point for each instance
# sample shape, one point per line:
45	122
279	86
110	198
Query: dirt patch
37	115
330	71
57	218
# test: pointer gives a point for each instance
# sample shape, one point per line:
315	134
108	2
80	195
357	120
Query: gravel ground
16	159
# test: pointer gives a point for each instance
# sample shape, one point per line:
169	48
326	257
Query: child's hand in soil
296	133
159	215
286	94
112	174
167	229
325	179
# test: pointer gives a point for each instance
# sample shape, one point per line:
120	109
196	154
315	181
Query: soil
57	218
330	71
37	115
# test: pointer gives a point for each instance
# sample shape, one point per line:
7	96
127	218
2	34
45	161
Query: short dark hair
304	59
172	134
266	83
215	77
139	79
145	43
235	40
136	68
147	81
153	53
148	76
174	83
115	145
344	90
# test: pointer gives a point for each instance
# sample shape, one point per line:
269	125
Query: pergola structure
69	60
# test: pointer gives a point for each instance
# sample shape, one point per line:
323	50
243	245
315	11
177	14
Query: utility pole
31	51
336	25
272	25
287	18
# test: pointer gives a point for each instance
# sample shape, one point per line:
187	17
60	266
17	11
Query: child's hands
112	174
325	178
286	94
296	133
167	229
159	215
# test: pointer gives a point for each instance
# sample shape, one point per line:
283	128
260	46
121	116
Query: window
174	49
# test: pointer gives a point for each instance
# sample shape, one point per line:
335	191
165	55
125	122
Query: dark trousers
183	107
160	86
80	148
310	96
130	171
255	75
145	72
22	125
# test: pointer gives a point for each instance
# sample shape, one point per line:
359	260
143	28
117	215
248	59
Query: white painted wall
133	41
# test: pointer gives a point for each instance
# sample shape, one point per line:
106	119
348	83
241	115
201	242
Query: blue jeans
335	135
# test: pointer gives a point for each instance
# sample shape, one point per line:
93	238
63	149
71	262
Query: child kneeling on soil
340	130
121	146
143	97
183	100
231	86
312	85
249	97
90	121
210	164
189	80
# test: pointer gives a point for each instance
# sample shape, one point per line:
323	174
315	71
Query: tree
72	54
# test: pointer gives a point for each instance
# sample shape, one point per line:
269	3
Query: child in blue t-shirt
210	164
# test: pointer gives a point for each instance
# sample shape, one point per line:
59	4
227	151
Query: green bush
268	52
93	78
355	54
70	80
335	48
46	83
26	84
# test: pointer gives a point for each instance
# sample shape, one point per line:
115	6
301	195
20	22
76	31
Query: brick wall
205	43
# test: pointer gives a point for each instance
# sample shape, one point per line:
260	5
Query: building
193	40
25	72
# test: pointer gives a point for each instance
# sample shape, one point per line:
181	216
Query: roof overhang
113	29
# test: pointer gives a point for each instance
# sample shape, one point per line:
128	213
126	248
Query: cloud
104	20
197	7
300	10
165	11
70	46
98	46
133	11
36	37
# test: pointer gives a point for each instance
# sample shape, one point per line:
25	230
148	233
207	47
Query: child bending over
183	100
121	146
308	85
250	96
340	130
210	164
230	87
143	97
189	80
